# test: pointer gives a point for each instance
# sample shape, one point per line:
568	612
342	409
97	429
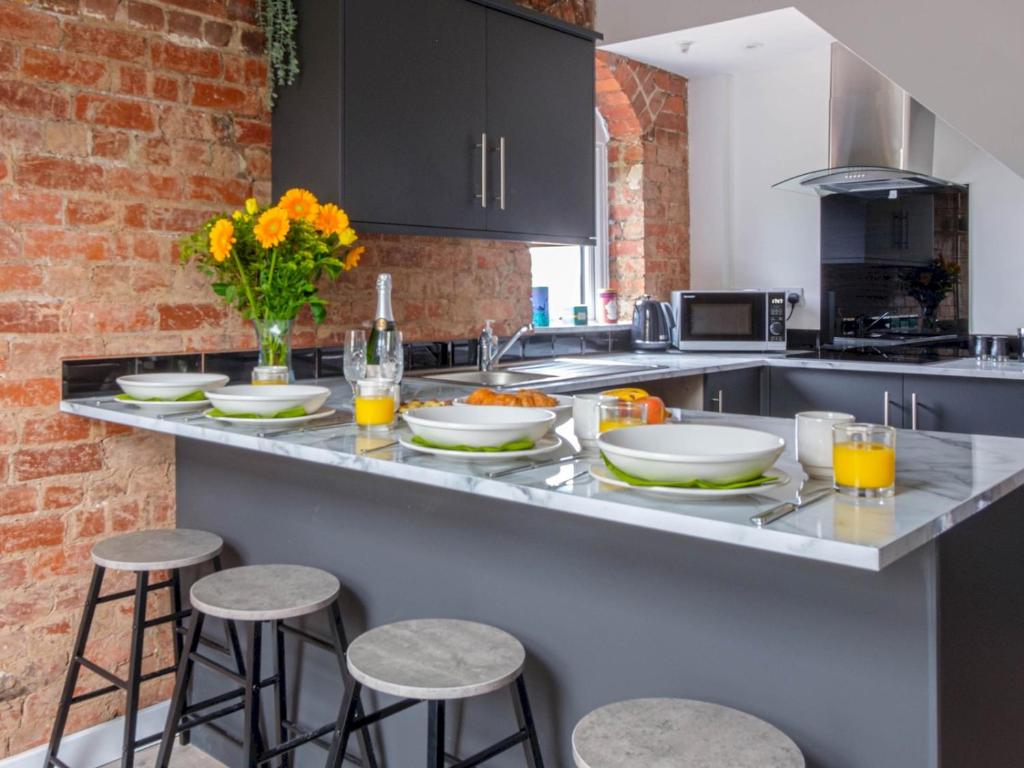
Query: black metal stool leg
71	679
281	690
343	729
131	713
251	740
341	648
525	714
179	640
435	734
180	695
232	630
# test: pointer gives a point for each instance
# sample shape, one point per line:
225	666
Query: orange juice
864	465
374	410
619	422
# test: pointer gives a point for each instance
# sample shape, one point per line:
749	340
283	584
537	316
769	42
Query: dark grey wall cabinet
734	391
448	117
865	395
974	406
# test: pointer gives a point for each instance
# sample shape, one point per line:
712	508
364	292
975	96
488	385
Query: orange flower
330	219
353	256
222	237
272	227
299	204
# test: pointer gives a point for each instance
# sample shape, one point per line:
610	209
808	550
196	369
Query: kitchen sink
490	378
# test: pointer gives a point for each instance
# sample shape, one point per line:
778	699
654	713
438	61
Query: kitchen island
874	635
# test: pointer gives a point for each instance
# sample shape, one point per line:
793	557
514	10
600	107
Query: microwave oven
729	321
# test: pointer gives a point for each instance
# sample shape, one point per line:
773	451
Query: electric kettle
652	324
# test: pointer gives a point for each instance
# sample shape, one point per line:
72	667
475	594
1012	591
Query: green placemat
191	397
515	445
703	484
290	413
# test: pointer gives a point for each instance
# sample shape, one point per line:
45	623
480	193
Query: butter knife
534	465
314	427
781	510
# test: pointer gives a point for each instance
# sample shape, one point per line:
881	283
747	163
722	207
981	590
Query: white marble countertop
942	479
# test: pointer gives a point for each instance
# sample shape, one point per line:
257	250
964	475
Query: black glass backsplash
84	378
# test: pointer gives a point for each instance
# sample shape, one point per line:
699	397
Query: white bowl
168	386
685	452
480	426
562	411
267	400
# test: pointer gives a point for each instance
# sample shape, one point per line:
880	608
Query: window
574	274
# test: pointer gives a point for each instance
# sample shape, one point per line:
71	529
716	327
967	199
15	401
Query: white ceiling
751	42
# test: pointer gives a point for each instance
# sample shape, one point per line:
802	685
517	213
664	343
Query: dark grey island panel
845	661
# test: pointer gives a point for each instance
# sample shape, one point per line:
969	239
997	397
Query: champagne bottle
383	332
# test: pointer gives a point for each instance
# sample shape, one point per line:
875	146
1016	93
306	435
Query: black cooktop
914	354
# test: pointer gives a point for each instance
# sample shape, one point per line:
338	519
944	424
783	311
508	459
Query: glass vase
275	345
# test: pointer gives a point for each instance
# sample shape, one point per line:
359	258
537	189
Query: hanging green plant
279	21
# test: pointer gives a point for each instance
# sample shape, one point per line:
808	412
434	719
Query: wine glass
391	356
355	356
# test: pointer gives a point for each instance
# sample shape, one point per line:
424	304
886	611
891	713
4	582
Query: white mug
814	440
586	416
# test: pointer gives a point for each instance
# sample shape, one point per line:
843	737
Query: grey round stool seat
679	733
157	550
265	592
436	659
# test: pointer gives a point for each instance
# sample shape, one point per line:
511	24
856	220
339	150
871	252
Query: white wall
963	60
749	131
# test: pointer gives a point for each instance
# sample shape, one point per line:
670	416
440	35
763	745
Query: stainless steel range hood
880	139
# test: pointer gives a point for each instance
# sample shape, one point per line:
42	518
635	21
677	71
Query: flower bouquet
267	261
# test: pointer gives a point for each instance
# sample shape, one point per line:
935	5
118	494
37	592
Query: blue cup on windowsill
539	298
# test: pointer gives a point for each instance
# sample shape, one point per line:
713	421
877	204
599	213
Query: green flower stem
245	284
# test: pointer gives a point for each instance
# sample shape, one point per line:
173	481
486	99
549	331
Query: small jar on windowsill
271	374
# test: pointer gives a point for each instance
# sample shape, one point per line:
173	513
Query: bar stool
436	660
256	594
650	733
140	552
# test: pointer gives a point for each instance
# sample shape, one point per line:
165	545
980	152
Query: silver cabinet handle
502	144
482	146
913	410
885	408
719	399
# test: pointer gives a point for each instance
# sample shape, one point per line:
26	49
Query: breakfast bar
855	628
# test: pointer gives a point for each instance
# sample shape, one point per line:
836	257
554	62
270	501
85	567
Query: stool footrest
380	714
216	666
191	721
110	677
131	592
53	760
94	694
158	673
147	740
169	617
309	637
495	749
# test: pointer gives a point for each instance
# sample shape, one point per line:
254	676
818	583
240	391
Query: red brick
187	317
145	15
57	245
252	40
58	67
59	428
13	574
217	33
214	190
62	496
190	61
115	112
33	463
242	10
105	42
29	317
90	522
89	213
27	99
250	132
59	173
113	145
18	500
110	318
186	24
105	9
130	182
20	277
133	81
18	22
208	7
165	88
69	7
24	394
31	534
224	97
175	219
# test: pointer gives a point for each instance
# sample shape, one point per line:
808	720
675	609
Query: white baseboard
95	746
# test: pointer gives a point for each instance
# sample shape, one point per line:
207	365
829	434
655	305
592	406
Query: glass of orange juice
375	404
864	459
621	413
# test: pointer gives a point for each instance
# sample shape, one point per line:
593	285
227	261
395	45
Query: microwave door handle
666	309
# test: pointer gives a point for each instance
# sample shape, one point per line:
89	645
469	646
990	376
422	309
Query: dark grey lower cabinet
868	396
970	405
734	391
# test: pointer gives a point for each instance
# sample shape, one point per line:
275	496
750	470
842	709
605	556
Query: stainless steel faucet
490	352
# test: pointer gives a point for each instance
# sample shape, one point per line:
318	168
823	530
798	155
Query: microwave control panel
776	317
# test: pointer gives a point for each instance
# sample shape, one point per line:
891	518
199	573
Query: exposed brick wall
123	124
645	109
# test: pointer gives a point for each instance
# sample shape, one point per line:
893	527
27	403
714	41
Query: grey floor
182	757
